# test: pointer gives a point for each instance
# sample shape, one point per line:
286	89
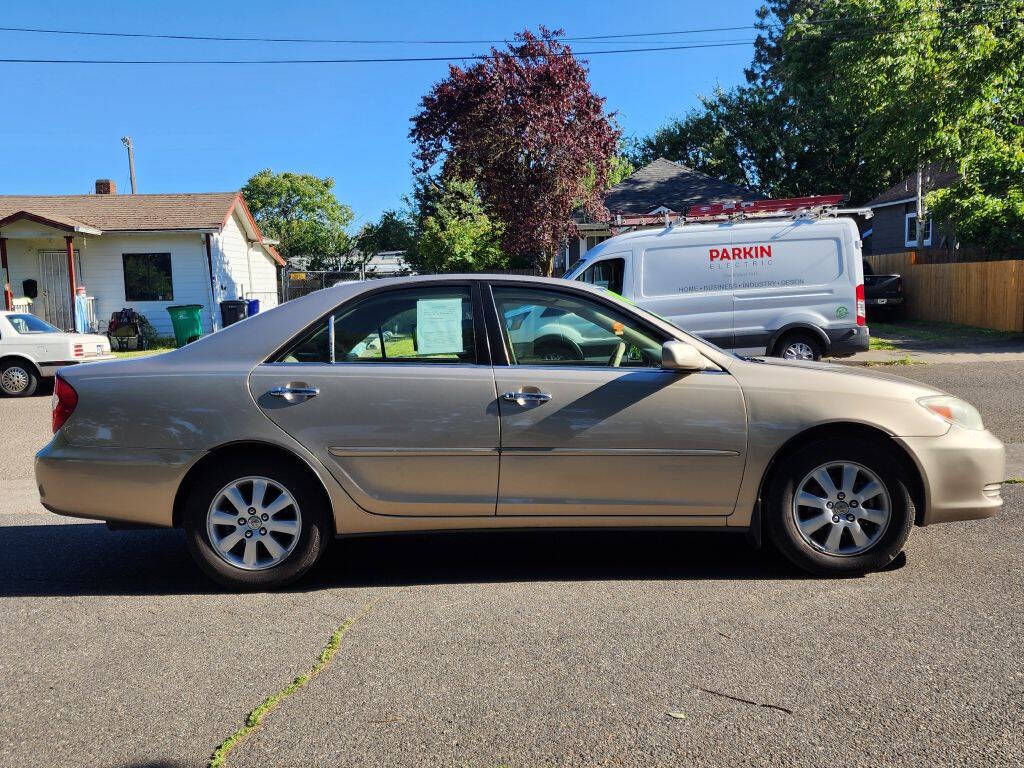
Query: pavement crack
745	701
272	702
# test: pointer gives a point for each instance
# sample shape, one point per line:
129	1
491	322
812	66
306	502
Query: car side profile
427	403
31	349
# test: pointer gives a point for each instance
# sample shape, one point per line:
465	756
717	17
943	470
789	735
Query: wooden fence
986	294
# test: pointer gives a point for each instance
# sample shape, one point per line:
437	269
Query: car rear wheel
255	523
839	508
799	346
17	378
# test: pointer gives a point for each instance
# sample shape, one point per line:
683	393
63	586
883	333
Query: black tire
315	531
781	525
18	378
799	337
558	349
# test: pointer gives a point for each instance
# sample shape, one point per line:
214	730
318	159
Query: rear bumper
844	342
49	367
127	485
963	471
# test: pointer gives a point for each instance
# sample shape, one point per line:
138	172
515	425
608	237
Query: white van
787	287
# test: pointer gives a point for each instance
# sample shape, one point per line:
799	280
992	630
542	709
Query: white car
31	348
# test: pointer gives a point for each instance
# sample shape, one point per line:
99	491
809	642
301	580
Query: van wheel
799	346
839	507
17	378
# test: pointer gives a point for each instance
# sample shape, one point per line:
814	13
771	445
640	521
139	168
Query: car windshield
30	324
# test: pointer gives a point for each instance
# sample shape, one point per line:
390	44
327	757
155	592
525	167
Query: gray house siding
889	230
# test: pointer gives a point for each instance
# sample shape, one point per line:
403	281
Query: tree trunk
548	264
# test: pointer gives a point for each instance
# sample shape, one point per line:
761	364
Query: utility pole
921	211
127	141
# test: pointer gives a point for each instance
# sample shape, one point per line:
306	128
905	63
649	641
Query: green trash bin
186	322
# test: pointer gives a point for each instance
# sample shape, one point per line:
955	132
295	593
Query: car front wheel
839	508
255	524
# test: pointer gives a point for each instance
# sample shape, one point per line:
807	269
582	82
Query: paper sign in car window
438	326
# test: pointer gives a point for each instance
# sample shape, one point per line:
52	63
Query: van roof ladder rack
813	207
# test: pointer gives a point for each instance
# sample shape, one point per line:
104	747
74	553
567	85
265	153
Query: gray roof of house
933	177
665	183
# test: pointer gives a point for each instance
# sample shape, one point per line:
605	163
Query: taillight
861	308
64	401
79	350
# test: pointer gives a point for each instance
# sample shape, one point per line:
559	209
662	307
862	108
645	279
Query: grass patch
876	343
922	330
1014	481
143	352
905	360
272	702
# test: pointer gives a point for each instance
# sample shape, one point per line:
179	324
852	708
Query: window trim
481	348
497	336
170	273
913	243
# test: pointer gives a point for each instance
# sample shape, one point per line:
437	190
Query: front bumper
127	485
962	470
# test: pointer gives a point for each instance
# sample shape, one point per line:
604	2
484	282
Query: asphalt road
519	650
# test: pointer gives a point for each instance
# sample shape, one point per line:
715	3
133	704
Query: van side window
606	273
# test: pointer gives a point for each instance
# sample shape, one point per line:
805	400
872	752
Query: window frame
481	348
497	338
170	273
906	222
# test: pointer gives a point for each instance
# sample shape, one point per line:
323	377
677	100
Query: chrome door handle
522	398
289	392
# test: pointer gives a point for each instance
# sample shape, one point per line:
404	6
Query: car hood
843	370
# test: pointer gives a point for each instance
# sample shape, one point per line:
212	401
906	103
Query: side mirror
680	356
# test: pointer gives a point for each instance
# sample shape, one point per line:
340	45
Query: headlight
953	410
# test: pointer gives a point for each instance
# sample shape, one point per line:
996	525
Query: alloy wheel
798	350
841	508
254	523
14	380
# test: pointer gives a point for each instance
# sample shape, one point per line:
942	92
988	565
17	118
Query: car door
602	429
394	393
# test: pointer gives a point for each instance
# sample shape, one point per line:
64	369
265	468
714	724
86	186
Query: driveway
518	650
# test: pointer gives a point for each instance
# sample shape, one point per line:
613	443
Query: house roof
674	186
934	177
94	214
128	212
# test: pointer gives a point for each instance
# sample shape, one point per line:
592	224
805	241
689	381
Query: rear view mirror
680	356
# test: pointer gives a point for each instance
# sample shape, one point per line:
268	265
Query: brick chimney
106	187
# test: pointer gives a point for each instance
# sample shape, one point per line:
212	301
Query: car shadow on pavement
89	559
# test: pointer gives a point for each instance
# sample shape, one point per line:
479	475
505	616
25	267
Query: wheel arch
246	448
779	335
12	357
838	429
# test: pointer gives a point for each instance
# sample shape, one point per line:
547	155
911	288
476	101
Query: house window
911	231
147	277
592	241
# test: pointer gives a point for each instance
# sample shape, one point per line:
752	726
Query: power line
979	5
374	60
848	35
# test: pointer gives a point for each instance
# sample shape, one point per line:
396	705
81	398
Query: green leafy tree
453	232
932	82
392	232
302	212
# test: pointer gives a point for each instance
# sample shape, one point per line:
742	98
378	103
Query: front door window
544	327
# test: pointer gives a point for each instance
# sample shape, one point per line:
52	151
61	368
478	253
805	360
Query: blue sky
208	128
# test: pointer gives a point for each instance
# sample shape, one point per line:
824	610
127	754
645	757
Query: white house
147	252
